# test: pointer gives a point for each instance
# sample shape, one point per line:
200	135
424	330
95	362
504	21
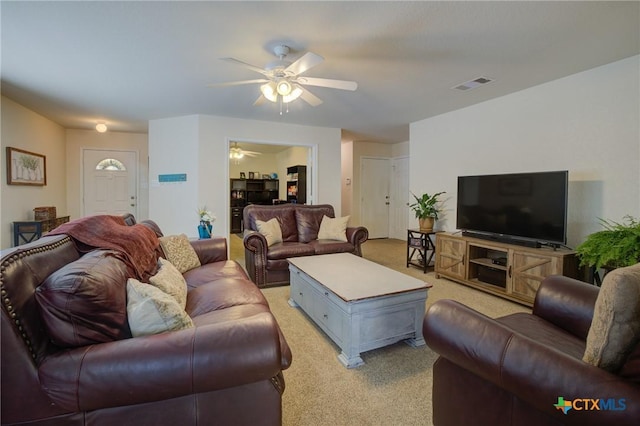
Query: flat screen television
523	208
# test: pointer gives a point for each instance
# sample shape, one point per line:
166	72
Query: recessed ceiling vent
472	84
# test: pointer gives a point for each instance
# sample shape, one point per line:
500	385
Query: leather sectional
227	369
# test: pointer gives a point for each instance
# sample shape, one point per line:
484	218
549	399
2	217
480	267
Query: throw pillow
152	311
179	251
616	319
333	228
271	231
171	281
85	301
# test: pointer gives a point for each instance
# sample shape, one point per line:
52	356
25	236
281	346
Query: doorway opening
257	172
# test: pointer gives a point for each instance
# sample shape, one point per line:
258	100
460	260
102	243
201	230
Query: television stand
510	271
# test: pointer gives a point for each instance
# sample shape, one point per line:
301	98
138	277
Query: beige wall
77	140
27	130
586	123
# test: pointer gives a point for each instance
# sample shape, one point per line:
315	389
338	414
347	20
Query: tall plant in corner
426	209
617	246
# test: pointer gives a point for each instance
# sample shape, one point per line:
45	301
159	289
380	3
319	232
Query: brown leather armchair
513	370
267	265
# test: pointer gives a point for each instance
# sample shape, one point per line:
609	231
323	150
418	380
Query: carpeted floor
394	385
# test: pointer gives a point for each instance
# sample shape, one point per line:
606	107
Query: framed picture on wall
26	168
251	175
242	175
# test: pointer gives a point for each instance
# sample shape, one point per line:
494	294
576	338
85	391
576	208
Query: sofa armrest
163	366
357	235
210	250
566	303
255	256
534	373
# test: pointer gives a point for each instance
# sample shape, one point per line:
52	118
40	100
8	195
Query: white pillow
333	229
271	231
152	311
171	281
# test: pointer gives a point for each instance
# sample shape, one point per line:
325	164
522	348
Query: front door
109	182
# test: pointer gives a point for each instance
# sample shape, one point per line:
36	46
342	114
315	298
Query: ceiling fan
283	80
236	153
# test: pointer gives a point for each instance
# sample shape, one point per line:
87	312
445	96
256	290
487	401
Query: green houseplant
426	209
616	246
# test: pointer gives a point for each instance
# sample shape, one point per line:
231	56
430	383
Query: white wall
29	131
199	146
77	140
587	123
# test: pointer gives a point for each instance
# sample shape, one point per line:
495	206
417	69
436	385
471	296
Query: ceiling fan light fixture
269	91
235	153
284	88
295	94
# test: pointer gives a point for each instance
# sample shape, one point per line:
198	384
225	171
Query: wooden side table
28	231
420	248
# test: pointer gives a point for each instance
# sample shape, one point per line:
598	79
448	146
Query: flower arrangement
206	215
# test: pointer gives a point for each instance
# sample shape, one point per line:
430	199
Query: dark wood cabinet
249	191
297	184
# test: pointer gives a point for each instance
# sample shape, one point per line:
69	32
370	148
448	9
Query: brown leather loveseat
225	369
528	369
299	224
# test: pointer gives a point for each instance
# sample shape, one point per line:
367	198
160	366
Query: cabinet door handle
509	271
325	316
326	294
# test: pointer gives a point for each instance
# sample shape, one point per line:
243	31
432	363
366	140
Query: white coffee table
359	304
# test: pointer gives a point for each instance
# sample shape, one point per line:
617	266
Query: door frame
136	154
312	170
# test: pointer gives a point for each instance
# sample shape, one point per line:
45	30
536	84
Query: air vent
472	84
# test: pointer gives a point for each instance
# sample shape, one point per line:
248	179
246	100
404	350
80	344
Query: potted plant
617	246
426	209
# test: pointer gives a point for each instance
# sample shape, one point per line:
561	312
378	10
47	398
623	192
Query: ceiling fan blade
308	60
244	64
260	101
327	82
238	83
310	98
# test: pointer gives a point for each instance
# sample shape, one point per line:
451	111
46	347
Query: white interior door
109	182
375	199
399	209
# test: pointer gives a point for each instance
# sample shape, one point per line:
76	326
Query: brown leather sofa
225	370
513	370
267	265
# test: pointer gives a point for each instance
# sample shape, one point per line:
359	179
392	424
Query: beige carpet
394	385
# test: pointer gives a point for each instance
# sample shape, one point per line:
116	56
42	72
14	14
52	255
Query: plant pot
426	224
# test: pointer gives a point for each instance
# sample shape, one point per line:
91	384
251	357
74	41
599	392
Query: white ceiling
129	62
